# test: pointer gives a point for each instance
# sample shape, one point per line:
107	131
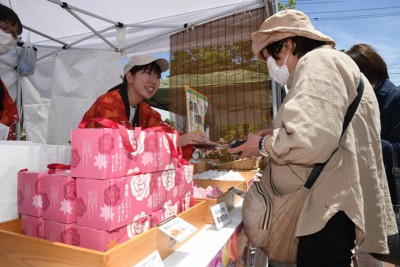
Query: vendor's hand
265	132
191	138
248	149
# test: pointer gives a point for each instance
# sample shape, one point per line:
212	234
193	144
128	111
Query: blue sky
374	22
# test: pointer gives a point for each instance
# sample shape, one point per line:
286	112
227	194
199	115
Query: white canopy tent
82	46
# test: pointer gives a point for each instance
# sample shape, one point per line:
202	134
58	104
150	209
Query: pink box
59	197
178	183
112	203
30	192
165	213
100	240
32	226
101	153
59	232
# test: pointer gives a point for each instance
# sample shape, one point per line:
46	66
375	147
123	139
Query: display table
201	249
18	155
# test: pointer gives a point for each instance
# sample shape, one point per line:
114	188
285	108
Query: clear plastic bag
26	58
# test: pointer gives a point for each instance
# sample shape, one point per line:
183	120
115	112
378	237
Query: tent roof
129	26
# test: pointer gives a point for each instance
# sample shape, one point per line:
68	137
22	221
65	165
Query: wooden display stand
20	250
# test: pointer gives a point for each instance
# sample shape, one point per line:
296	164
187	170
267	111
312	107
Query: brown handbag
270	219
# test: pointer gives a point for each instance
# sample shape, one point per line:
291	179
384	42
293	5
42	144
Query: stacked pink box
32	226
59	195
30	192
111	203
103	153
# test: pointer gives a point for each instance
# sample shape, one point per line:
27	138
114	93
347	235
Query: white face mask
7	42
279	74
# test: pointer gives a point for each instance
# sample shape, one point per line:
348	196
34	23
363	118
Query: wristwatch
261	146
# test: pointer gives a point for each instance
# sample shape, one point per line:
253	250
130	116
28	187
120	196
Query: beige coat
307	130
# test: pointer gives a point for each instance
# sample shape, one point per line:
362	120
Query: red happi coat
9	113
111	106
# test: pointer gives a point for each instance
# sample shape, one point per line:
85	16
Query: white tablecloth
18	155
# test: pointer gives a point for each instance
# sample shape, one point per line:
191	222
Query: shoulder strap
347	118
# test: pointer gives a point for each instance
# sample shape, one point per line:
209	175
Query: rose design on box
80	207
20	197
188	172
136	143
106	144
168	177
75	158
112	195
39	186
70	236
40	230
140	224
140	186
45	202
70	190
151	144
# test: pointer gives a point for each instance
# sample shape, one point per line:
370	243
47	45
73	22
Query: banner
196	109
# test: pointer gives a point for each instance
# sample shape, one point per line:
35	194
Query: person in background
349	204
124	103
374	68
10	29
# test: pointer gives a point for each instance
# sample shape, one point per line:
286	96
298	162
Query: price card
178	229
153	260
221	215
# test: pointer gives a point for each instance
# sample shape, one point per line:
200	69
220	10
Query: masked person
349	204
124	103
10	29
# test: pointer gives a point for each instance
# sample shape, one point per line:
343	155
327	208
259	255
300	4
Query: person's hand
191	138
249	148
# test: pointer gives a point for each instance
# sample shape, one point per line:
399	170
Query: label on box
177	228
153	260
221	215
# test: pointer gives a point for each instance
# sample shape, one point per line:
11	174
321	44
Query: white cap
144	60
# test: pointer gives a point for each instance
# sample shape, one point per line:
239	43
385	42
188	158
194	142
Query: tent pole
66	5
186	26
19	108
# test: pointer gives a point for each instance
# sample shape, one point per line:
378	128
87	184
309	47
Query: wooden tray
20	250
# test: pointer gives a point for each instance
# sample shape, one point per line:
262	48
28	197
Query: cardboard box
102	153
112	203
30	192
32	226
59	197
20	250
231	199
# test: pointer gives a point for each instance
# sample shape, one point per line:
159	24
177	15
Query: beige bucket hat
285	24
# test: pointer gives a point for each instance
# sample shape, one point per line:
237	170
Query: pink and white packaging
102	153
165	213
59	197
178	183
30	192
112	203
32	226
60	232
100	240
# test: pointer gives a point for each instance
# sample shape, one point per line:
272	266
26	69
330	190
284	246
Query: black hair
9	16
303	45
152	67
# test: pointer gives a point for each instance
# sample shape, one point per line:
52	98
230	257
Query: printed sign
178	229
221	215
153	260
196	109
